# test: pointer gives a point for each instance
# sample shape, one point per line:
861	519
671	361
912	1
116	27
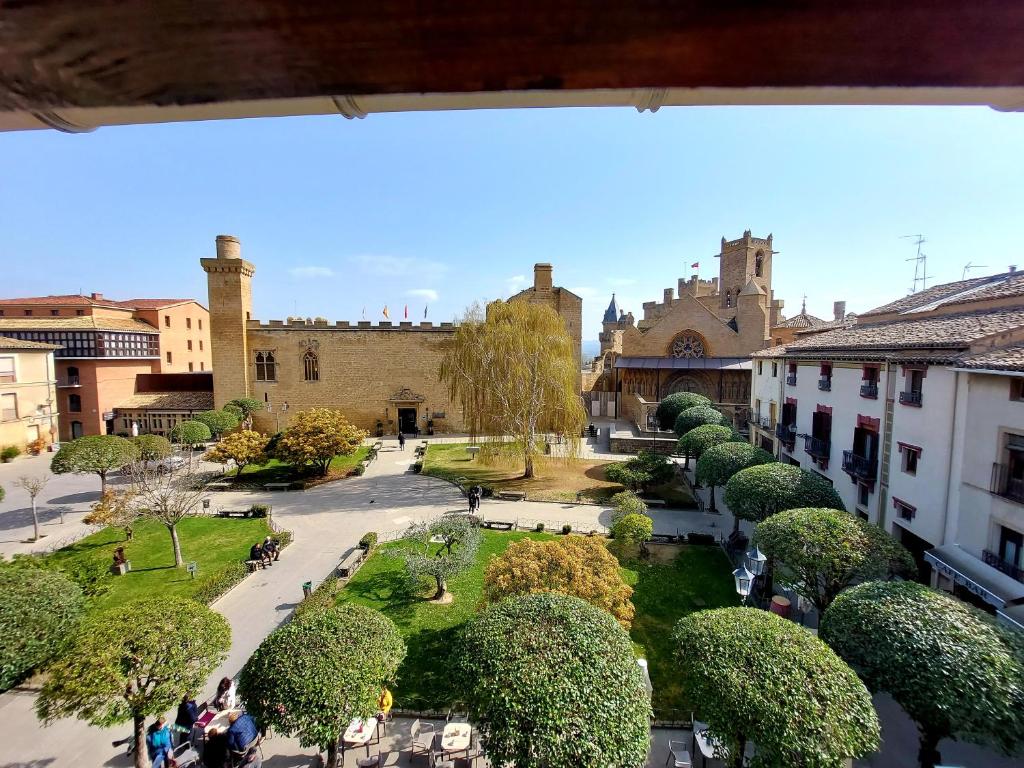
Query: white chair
678	754
422	739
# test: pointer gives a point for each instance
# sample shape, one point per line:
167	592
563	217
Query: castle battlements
307	324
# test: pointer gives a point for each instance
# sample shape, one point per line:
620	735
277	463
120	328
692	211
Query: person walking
158	742
401	441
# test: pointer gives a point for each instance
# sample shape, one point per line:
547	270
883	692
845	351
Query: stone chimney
542	277
839	310
228	247
96	296
1013	268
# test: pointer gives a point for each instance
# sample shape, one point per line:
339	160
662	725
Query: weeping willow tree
514	371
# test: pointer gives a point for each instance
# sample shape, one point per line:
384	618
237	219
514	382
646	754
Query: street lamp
744	579
756	560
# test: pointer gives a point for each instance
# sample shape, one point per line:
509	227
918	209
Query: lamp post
283	409
756	560
744	579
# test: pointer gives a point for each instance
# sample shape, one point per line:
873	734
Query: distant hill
591	349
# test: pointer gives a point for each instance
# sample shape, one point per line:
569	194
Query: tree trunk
141	757
686	461
103	482
712	507
35	519
332	755
173	530
735	521
529	465
442	588
928	753
737	759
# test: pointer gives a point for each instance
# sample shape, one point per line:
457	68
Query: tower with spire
615	319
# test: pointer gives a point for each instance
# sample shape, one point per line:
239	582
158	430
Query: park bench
218	486
277	486
232	513
511	495
654	502
351	563
497	525
254	565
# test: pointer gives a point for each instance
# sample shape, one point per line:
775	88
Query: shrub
627	503
699	439
670	407
575	565
218	422
191	433
220	582
358	470
697	416
316	436
324	596
546	659
39	612
634	529
8	453
539	528
244	448
644	470
566	529
369	540
757	492
37	446
260	510
152	447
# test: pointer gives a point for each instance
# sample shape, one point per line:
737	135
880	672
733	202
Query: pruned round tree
634	530
757	492
94	454
699	439
955	672
627	503
38	613
672	405
244	448
551	680
443	549
218	422
191	433
134	661
153	447
756	677
310	677
316	436
248	406
580	566
697	416
828	550
720	462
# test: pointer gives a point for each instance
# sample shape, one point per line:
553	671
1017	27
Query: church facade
698	338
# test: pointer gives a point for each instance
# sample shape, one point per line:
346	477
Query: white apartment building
915	414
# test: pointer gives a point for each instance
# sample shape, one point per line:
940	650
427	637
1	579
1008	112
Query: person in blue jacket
158	742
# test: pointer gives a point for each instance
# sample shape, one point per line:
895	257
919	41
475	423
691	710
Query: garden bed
255	476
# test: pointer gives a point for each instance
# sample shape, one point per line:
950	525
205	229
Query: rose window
688	345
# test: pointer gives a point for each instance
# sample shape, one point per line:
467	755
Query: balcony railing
70	381
1011	570
911	398
825	383
818	448
860	466
1005	484
869	390
786	433
791	380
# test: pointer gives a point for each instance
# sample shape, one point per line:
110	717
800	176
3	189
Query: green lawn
663	593
210	542
275	471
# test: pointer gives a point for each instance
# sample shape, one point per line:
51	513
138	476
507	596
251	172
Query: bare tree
33	486
167	498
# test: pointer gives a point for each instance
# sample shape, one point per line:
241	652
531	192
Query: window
190	368
911	455
310	366
1	313
189	343
54	312
73	379
75	403
7	370
200	323
775	370
188	323
1017	390
8	407
80	312
760	367
825	377
200	345
266	367
1011	546
757	410
169	358
167	321
202	366
28	313
904	510
911	395
759	264
863	494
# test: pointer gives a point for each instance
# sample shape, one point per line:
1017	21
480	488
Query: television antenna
969	266
920	260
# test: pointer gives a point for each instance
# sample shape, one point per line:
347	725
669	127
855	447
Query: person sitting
188	713
242	733
384	703
270	547
158	742
225	696
215	749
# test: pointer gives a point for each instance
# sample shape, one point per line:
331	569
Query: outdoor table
219	721
359	733
706	743
456	737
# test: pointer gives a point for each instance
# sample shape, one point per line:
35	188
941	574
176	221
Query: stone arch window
310	366
266	366
688	344
759	264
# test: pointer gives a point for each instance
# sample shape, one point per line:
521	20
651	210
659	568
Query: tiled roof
1005	359
960	292
777	351
803	320
828	325
26	345
63	300
153	303
85	322
170	401
936	332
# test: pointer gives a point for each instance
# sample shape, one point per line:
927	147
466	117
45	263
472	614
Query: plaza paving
326	521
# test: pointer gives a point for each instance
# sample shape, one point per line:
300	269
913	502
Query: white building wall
765	386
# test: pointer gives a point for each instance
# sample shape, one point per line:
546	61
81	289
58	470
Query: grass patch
213	543
664	592
275	471
557	479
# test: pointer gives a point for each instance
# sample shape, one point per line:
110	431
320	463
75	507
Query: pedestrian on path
401	441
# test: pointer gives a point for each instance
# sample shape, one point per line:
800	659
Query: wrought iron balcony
911	398
70	381
1005	485
860	466
786	433
818	448
869	390
1011	570
825	383
791	380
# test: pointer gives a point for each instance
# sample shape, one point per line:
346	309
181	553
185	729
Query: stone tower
567	304
742	260
229	280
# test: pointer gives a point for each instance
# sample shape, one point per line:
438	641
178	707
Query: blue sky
446	208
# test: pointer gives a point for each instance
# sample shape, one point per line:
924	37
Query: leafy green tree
95	454
720	462
39	611
758	677
551	680
670	407
757	492
627	503
316	436
955	672
248	406
152	447
698	416
234	410
218	422
191	433
244	448
828	551
699	439
134	661
580	566
456	552
642	471
311	676
634	529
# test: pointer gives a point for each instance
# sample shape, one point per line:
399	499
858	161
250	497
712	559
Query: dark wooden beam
116	53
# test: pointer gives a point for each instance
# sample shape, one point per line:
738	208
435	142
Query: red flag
406	311
695	265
